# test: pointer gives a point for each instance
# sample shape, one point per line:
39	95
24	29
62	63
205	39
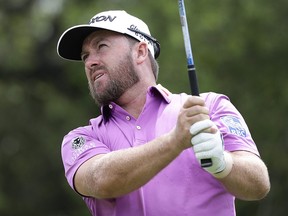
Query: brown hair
154	63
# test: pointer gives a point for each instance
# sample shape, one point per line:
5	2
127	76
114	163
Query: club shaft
187	43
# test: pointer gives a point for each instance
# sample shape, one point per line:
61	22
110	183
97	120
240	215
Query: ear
142	52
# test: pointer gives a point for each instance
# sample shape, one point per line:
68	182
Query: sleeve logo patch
78	142
234	125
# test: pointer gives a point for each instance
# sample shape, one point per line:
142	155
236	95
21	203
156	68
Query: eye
84	56
102	45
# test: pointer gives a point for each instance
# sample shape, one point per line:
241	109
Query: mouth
97	76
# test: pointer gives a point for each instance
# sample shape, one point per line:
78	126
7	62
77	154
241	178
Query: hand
210	145
193	110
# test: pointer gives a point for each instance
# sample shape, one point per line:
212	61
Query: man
141	155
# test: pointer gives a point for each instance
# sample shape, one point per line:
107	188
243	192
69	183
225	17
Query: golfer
141	156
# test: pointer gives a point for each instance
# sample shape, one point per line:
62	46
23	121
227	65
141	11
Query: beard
120	78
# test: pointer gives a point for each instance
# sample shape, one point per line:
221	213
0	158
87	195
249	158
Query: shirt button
138	127
128	118
110	106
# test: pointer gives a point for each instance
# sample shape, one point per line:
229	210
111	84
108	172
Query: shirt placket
139	132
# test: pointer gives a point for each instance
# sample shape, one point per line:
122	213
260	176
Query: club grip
193	80
206	162
195	91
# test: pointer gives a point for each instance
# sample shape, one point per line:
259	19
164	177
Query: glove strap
228	168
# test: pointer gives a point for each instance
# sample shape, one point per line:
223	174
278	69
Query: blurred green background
240	49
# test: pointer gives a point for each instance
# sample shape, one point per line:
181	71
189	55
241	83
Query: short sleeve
235	132
78	146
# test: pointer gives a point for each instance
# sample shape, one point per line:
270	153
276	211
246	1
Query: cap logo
138	33
102	18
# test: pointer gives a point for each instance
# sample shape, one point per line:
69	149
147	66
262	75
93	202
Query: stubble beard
120	78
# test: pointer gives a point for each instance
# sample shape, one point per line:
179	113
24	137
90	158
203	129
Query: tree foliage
239	47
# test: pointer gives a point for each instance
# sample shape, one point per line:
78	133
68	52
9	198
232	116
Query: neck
134	99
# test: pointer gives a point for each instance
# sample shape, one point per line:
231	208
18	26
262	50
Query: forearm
249	179
120	172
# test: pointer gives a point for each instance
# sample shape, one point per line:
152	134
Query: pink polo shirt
183	187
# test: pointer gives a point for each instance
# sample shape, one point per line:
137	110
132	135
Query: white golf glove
208	145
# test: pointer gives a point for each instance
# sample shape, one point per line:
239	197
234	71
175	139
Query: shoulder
212	97
216	101
86	130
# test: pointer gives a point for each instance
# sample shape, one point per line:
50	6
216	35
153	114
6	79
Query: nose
91	61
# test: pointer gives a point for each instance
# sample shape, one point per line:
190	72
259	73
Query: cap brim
70	43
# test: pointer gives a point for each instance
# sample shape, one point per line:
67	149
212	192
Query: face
108	65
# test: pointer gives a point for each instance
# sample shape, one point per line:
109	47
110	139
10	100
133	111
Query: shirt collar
166	94
153	90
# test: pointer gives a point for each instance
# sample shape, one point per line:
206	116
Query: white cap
70	43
